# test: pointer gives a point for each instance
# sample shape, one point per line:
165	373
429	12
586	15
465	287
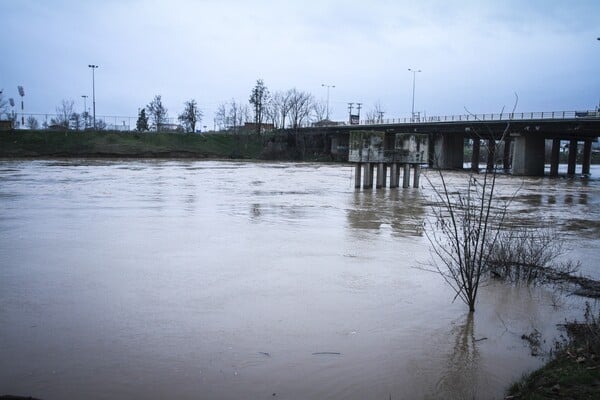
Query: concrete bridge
518	138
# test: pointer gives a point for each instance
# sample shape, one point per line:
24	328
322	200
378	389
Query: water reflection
402	210
460	380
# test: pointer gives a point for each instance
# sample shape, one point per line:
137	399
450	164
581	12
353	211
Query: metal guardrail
550	115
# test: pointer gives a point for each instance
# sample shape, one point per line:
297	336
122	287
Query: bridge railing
487	117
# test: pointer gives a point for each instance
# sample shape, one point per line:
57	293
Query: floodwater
148	279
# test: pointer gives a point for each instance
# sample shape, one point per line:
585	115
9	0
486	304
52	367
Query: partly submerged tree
190	116
464	228
471	240
157	112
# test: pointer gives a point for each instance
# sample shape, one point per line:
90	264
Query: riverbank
119	144
573	372
33	144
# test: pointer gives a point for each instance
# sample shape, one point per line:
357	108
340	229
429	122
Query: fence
126	123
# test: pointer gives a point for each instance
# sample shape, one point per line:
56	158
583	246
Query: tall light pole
93	67
414	72
328	87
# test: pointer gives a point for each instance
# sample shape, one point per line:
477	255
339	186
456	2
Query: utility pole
359	106
93	67
350	107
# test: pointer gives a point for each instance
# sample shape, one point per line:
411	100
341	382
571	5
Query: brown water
235	280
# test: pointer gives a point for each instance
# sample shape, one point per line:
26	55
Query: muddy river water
238	280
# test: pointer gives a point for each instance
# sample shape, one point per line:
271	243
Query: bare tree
231	115
320	110
190	116
375	115
64	113
221	116
464	229
280	108
76	121
259	99
157	112
301	106
32	123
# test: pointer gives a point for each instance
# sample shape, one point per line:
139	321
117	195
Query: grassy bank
127	144
574	371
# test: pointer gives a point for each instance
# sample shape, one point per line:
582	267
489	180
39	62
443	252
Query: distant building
265	127
6	125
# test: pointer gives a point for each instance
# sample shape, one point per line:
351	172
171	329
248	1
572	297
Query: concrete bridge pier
475	155
417	175
587	157
448	151
555	157
393	175
381	175
528	156
491	155
368	176
507	159
572	157
406	176
357	175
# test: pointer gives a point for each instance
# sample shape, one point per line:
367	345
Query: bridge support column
393	175
406	176
555	157
397	183
528	156
357	175
475	155
587	157
491	154
572	157
449	151
506	160
381	175
417	168
368	177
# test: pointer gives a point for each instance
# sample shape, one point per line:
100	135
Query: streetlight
328	87
93	67
414	72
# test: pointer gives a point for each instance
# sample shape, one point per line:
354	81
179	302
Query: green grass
574	372
119	144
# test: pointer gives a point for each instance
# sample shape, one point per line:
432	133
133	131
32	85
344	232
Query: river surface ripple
227	280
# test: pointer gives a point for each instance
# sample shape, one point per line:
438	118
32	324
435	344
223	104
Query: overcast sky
473	54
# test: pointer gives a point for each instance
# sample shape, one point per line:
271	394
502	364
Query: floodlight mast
93	67
22	94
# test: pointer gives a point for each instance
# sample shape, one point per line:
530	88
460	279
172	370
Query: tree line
292	108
